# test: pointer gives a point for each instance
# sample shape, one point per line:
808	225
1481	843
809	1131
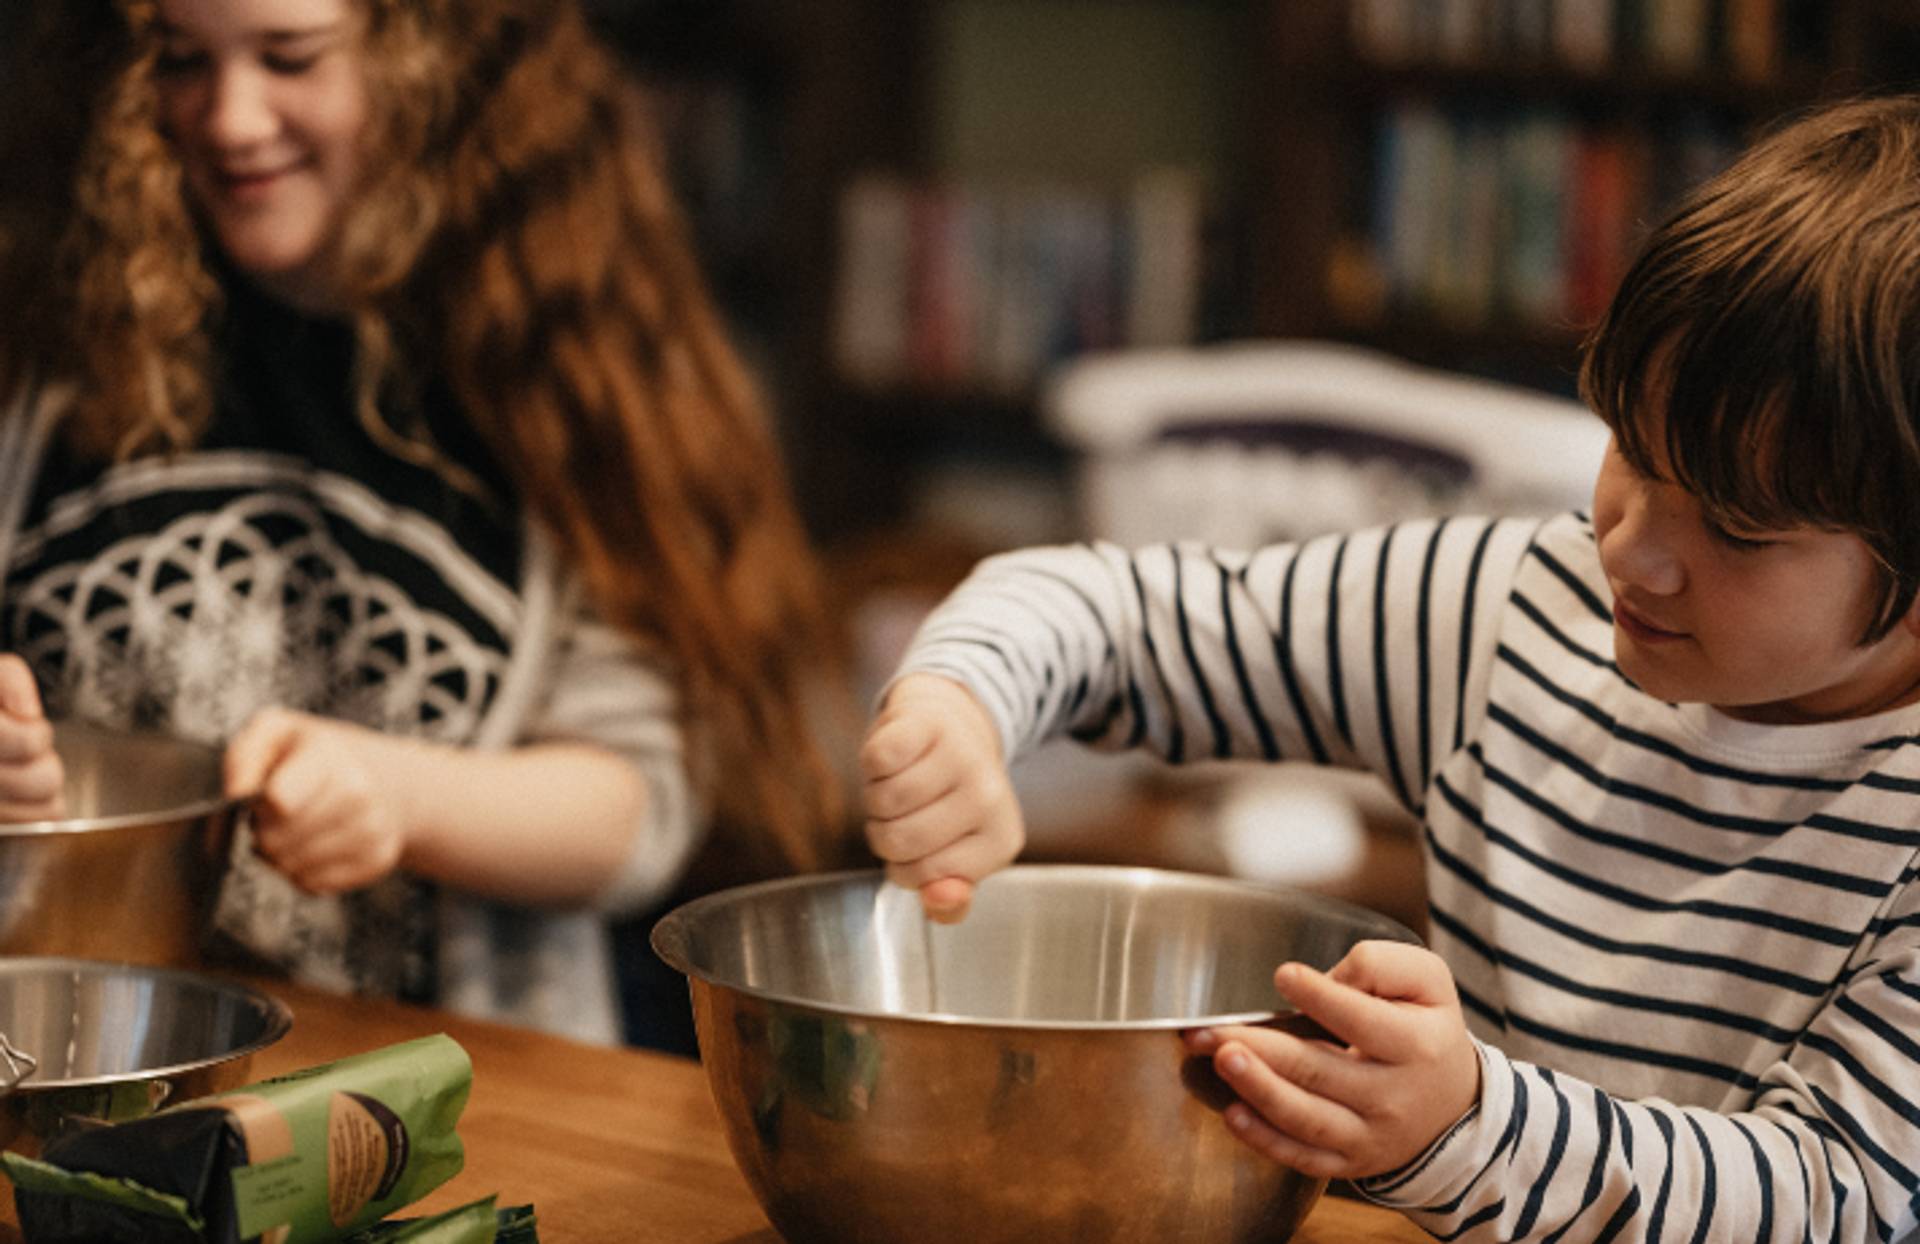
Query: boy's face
1764	625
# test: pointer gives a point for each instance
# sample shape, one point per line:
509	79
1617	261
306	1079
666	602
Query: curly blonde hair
514	232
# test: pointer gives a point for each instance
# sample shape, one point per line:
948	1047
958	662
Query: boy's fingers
1277	1146
947	899
1395	971
1313	1120
928	829
898	739
909	790
944	899
1367	1023
1312	1066
968	858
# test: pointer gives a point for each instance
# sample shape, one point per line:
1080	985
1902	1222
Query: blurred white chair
1246	443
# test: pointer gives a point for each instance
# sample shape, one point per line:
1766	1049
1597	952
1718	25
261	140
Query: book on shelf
1681	38
1527	219
871	313
952	287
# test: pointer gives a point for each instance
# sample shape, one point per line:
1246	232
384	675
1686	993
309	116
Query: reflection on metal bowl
118	1041
1015	1077
130	874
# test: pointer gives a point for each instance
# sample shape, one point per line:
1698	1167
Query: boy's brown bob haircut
1776	314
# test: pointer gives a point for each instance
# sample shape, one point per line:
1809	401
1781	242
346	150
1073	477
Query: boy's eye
1733	540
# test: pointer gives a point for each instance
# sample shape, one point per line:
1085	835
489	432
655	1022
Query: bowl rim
668	938
276	1015
192	810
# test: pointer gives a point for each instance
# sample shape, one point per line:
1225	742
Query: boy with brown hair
1666	756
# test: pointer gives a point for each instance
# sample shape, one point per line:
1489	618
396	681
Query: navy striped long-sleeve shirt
1688	946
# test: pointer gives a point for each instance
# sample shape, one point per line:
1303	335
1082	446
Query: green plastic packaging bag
298	1159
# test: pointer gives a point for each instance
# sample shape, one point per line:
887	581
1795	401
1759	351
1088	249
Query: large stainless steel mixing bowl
118	1041
1017	1077
130	874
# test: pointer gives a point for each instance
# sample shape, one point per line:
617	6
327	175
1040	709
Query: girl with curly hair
367	416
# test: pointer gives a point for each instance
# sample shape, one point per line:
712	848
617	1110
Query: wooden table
610	1146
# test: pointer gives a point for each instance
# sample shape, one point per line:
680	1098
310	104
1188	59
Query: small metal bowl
1015	1077
130	875
118	1041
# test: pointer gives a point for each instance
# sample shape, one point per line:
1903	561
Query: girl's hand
32	778
328	809
940	809
1402	1071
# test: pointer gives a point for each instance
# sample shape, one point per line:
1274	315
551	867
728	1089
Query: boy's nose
1641	551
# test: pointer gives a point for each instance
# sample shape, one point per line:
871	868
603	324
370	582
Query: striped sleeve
1828	1151
1367	650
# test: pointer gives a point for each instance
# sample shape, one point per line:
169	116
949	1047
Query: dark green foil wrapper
302	1158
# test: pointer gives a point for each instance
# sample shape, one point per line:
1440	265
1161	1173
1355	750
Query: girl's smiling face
1765	625
265	102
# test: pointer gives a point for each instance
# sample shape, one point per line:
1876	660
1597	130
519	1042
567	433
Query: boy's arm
1360	650
1828	1148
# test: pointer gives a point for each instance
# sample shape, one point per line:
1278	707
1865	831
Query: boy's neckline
1810	741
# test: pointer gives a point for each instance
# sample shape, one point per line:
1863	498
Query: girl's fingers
37	782
292	789
16	812
1314	1121
24	741
19	693
335	878
258	750
349	859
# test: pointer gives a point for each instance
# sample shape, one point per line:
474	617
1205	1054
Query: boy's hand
327	810
940	810
32	778
1407	1071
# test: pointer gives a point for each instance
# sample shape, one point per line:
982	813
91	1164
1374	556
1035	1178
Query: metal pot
118	1041
132	871
1015	1077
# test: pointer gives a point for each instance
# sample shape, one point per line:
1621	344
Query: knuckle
880	839
1300	1072
38	735
1320	1166
875	754
884	800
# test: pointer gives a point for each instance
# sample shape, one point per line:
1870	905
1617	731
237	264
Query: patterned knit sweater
290	560
1688	946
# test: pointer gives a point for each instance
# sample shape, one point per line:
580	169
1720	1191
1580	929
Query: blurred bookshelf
912	209
1490	166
